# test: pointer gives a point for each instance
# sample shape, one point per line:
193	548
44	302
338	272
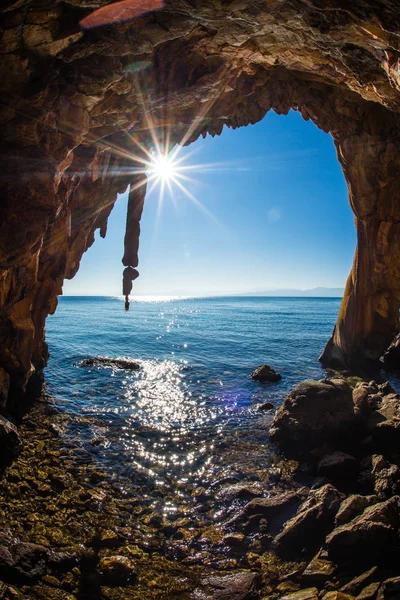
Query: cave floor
101	540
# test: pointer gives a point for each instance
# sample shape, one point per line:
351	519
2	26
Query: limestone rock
265	373
315	414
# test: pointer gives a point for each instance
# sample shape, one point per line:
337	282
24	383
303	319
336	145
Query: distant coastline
318	292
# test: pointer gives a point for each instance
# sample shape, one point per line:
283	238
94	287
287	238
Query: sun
163	168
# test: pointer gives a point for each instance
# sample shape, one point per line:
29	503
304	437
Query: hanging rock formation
79	107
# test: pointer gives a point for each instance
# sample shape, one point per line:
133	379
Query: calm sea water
190	415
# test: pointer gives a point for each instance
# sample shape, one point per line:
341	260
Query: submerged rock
23	562
116	571
103	361
265	373
315	414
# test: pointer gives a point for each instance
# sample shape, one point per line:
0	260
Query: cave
78	105
81	108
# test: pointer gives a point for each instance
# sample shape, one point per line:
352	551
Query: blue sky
276	215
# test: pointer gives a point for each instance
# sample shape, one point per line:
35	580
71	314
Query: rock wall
79	111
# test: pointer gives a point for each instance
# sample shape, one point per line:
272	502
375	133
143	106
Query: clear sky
275	215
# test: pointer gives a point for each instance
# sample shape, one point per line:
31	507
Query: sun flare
163	167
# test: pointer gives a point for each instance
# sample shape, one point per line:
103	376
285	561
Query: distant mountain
318	292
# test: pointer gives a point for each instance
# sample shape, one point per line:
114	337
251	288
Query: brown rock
314	414
305	532
117	571
265	373
365	539
238	586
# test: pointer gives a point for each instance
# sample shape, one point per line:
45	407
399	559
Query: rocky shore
322	523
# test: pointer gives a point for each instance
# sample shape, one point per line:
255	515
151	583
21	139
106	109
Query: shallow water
188	418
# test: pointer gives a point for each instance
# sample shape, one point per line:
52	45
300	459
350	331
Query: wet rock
351	507
318	571
370	592
116	571
10	442
265	406
338	467
304	533
234	540
274	509
238	586
265	373
239	492
307	594
23	562
390	589
119	363
315	414
356	585
363	540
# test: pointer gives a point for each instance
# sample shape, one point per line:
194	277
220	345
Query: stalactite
137	194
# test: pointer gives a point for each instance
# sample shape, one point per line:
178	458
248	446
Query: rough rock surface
315	414
77	107
265	373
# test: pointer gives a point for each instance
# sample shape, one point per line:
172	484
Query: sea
190	416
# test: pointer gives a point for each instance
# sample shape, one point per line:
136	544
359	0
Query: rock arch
78	106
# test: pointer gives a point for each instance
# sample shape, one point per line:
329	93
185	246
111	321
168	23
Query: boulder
10	442
356	585
305	532
364	540
266	406
275	509
351	507
265	373
316	414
